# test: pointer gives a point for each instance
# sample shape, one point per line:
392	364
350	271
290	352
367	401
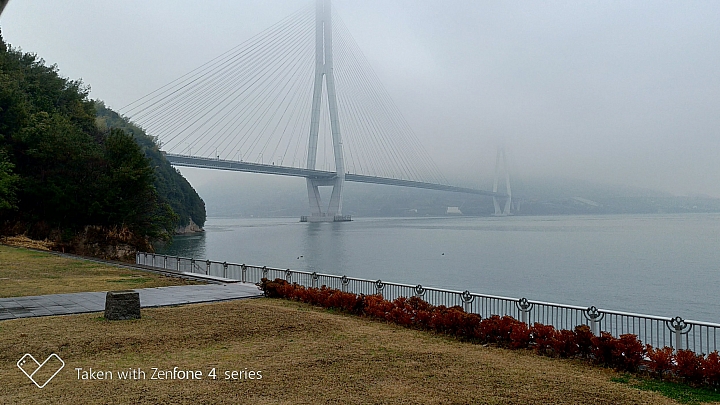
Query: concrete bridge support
505	201
324	70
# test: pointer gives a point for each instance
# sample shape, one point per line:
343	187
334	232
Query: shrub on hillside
273	289
583	339
711	368
628	352
689	366
660	361
564	343
520	336
602	348
500	330
543	336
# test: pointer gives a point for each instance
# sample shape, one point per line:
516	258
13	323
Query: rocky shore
191	227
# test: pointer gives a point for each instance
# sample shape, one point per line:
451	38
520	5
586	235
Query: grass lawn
680	392
305	355
27	272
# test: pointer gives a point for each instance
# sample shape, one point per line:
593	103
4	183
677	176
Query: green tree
130	199
60	169
8	184
173	189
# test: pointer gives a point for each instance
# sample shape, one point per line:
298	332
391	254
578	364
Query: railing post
177	264
314	280
379	287
207	267
288	275
419	291
345	281
467	299
192	265
524	307
164	262
243	269
225	267
137	257
153	260
679	327
594	316
264	271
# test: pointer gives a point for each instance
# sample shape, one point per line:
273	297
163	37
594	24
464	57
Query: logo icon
40	374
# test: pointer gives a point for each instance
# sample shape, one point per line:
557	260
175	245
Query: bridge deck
221	164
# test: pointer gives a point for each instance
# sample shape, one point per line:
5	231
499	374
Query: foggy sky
616	92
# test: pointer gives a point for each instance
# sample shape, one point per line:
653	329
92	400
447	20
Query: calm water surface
665	265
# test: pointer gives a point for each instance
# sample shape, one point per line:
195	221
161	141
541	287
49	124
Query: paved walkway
78	303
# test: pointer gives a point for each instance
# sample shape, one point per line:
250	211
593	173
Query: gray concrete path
77	303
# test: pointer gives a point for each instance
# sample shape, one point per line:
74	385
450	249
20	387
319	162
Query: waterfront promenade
83	302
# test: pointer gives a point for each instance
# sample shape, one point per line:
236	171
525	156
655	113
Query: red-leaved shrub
628	352
625	353
419	304
489	330
422	318
400	313
274	289
603	347
376	306
438	320
543	336
711	368
507	325
505	331
583	340
467	324
689	366
661	360
520	337
564	344
454	321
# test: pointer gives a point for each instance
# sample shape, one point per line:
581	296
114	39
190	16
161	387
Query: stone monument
122	305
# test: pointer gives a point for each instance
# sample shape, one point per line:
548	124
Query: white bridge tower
508	199
324	70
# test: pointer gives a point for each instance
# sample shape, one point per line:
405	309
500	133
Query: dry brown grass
307	356
27	272
25	242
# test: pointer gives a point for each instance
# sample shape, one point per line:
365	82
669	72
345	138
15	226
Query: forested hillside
65	170
172	187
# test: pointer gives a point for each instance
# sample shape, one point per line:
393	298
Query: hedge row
624	353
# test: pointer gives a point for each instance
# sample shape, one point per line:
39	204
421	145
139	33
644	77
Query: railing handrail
700	323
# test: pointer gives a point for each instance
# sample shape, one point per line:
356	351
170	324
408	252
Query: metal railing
657	331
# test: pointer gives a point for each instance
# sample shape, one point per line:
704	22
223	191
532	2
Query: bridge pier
507	200
334	210
324	73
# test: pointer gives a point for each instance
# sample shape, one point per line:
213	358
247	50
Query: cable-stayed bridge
298	99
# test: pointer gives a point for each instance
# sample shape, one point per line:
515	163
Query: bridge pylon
505	211
324	73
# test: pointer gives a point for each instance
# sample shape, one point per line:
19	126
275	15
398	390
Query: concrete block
122	305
